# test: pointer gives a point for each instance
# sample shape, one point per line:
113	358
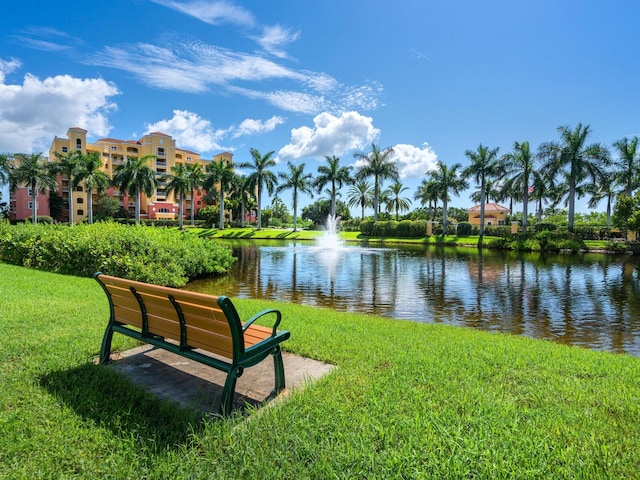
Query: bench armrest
262	314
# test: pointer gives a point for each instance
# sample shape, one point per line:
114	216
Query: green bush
542	226
404	229
385	228
160	256
366	227
418	228
497	231
464	229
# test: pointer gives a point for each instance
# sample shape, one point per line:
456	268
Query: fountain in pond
330	238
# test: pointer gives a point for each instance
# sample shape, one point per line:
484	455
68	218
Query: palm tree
136	177
604	189
575	159
179	183
241	192
395	202
34	172
196	180
377	164
483	167
427	194
261	176
446	180
66	165
88	172
219	176
519	166
360	194
300	182
333	174
628	163
5	170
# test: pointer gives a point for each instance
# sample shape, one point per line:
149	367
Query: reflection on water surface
589	300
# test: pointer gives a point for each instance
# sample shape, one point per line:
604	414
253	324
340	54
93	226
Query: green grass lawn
408	400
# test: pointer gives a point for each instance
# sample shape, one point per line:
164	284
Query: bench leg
226	402
105	349
278	366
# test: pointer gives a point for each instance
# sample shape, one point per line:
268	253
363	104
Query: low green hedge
160	256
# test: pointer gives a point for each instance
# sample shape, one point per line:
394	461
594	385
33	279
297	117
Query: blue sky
321	77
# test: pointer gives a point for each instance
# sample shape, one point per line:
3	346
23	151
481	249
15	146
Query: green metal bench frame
243	356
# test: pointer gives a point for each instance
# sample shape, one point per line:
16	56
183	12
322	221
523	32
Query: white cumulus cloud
414	162
251	126
330	135
191	131
33	112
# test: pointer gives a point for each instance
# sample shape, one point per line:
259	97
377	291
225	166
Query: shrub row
391	228
160	256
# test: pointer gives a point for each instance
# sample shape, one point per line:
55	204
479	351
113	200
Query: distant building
494	214
114	152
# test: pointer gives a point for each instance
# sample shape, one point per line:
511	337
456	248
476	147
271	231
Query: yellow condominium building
163	154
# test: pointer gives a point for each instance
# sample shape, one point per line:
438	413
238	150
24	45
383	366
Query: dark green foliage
539	227
366	227
497	231
464	229
160	256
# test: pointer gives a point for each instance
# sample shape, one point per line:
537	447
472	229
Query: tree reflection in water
589	300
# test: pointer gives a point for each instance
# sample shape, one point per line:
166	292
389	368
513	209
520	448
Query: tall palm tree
427	194
88	172
447	180
377	164
332	173
360	194
261	176
519	166
575	159
395	202
483	167
135	177
66	165
33	171
603	190
5	170
299	182
242	193
628	164
218	177
196	179
179	184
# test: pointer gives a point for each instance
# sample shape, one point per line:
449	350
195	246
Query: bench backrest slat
207	325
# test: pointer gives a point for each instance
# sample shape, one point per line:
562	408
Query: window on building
80	200
65	149
79	189
114	148
163	210
30	205
501	222
78	144
80	212
161	152
29	192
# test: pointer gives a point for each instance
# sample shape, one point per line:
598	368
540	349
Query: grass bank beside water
357	237
409	400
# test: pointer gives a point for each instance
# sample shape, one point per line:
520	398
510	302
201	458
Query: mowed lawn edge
408	400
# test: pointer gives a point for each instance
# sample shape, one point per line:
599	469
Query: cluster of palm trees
562	170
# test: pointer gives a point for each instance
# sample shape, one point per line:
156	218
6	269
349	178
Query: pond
590	300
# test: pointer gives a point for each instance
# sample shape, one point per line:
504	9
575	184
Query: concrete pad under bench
197	386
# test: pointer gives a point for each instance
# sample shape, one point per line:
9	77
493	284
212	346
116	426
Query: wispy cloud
46	39
196	67
274	38
212	12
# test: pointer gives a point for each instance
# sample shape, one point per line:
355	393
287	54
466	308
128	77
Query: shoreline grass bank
408	400
595	246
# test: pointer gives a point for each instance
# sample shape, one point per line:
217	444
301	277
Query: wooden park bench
200	327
